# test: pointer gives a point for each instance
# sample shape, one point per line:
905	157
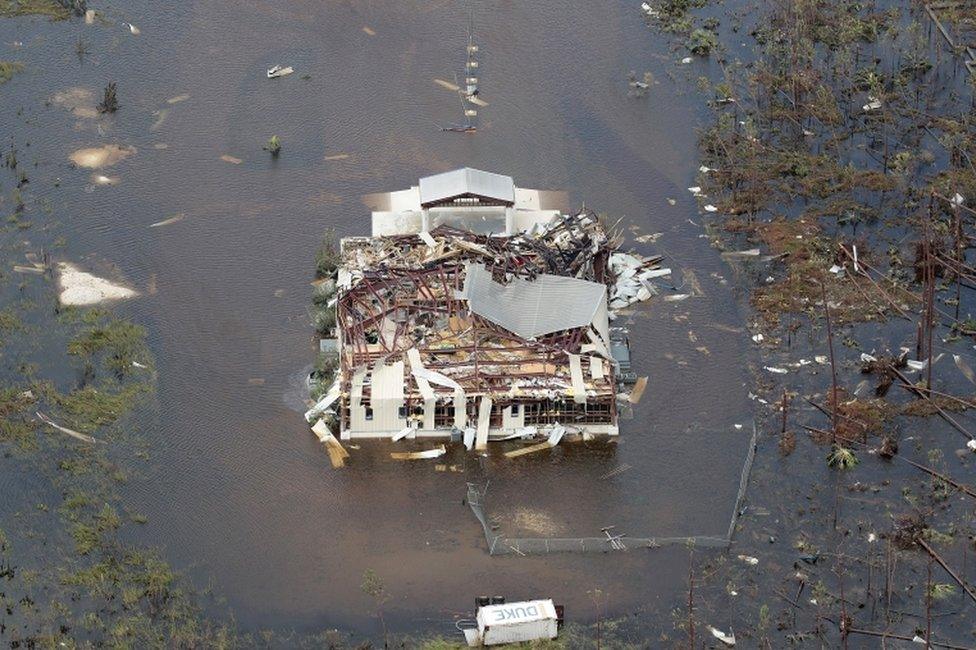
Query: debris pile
473	336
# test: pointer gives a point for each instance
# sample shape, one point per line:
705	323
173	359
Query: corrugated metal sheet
466	181
549	303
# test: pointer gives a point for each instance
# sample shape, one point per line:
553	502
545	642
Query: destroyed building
477	311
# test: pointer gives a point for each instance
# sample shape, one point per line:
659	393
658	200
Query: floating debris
101	179
80	288
79	101
231	159
98	157
177	99
419	455
71	432
278	71
727	639
369	31
964	368
165	222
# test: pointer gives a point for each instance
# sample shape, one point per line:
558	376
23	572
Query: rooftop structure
464	198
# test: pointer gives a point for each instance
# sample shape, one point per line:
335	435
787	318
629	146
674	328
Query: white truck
513	623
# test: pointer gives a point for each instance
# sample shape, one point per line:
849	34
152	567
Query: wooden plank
484	421
531	449
638	391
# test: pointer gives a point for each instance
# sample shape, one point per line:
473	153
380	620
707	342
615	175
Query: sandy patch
79	101
80	288
98	157
537	522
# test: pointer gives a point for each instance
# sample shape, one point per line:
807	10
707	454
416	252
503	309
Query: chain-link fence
499	544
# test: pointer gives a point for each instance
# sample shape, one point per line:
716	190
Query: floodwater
238	492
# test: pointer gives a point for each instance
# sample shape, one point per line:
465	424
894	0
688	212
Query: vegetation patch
8	69
51	8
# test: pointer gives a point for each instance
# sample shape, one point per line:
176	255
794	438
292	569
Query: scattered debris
231	159
748	559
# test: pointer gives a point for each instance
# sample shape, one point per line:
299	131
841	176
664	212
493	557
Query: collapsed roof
525	307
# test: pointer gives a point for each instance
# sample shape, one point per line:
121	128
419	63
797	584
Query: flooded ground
237	491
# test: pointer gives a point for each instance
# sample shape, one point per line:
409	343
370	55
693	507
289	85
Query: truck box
517	622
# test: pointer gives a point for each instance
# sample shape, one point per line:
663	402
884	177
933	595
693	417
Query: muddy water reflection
238	490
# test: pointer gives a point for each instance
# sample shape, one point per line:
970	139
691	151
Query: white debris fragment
872	537
695	189
873	104
648	10
757	338
738	427
867	358
775	370
821	359
964	368
675	297
922	365
748	559
957	200
727	639
704	170
276	71
686	60
710	208
836	270
971	445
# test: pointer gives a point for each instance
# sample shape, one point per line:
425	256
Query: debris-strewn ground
838	170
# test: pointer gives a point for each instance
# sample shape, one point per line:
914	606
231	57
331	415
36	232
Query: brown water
238	492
